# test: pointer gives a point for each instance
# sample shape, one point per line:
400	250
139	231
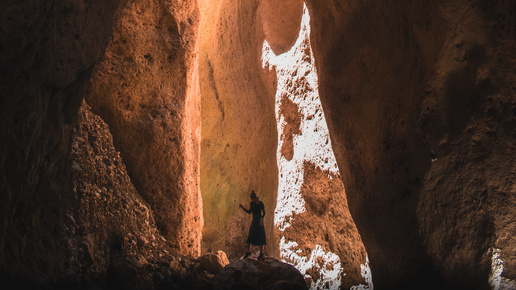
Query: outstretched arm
246	210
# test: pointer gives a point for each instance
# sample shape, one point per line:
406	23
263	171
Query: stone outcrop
318	235
213	262
109	230
419	98
253	274
327	223
64	201
146	89
238	149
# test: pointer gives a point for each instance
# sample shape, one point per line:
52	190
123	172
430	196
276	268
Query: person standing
256	235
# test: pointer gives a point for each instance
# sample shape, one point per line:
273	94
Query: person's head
253	196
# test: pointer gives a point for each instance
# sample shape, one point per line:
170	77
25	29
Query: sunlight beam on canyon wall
238	134
496	280
310	192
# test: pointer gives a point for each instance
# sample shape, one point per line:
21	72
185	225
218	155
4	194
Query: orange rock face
146	89
318	235
109	228
327	223
238	151
281	22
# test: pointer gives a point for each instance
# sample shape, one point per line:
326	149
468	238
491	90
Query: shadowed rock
267	274
213	262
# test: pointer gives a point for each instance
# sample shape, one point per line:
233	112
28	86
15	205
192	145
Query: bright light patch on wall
297	81
365	271
327	264
496	280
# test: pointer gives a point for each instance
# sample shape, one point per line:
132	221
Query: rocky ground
253	274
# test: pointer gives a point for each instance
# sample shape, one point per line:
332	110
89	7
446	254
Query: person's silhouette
256	235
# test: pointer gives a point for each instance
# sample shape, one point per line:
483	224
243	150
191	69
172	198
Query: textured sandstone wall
47	51
239	135
327	222
110	230
468	117
419	98
69	211
146	89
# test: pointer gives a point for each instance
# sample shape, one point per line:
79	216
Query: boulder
267	274
213	262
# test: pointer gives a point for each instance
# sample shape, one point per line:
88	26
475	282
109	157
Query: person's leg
260	257
248	253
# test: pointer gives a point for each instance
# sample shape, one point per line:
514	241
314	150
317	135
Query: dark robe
256	231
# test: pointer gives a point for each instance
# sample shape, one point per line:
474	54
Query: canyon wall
146	89
239	90
318	235
47	52
70	212
238	149
419	98
418	95
109	230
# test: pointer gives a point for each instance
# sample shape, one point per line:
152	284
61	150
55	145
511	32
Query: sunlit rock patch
318	234
497	281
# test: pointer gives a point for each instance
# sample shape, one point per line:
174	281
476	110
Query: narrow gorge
379	135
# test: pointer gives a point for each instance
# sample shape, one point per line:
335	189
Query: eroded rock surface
146	89
327	223
419	98
318	234
110	230
63	199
